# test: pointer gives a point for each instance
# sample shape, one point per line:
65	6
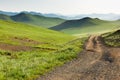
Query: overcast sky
62	6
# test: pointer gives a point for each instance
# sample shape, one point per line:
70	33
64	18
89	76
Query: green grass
54	49
29	65
112	38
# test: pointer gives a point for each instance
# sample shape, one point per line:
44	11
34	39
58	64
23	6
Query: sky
65	7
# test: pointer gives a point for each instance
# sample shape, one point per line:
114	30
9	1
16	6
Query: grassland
112	38
36	50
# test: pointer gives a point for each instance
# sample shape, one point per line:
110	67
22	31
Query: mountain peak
22	13
87	18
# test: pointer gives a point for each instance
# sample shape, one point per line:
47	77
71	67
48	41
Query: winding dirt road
96	62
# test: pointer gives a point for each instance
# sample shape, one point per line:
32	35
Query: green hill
36	20
86	26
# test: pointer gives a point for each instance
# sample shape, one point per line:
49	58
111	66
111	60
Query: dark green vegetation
37	20
112	38
86	26
26	51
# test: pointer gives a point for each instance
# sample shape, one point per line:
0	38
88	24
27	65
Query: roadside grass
112	38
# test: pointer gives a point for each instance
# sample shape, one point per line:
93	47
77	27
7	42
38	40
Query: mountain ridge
107	16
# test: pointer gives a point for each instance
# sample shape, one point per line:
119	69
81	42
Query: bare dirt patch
25	40
10	47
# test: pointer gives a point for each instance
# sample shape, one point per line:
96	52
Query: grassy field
26	52
112	38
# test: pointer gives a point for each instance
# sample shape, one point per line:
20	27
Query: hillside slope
36	20
10	30
86	26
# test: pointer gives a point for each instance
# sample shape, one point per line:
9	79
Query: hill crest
87	21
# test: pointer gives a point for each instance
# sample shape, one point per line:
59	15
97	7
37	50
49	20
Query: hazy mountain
109	16
87	25
8	13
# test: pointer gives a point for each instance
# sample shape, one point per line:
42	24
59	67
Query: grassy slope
13	29
112	38
56	49
37	20
87	26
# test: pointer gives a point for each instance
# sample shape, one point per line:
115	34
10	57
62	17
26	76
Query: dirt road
96	62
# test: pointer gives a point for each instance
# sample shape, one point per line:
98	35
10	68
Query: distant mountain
86	25
8	13
31	19
52	15
109	16
33	13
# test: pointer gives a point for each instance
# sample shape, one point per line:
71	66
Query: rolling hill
86	26
36	20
